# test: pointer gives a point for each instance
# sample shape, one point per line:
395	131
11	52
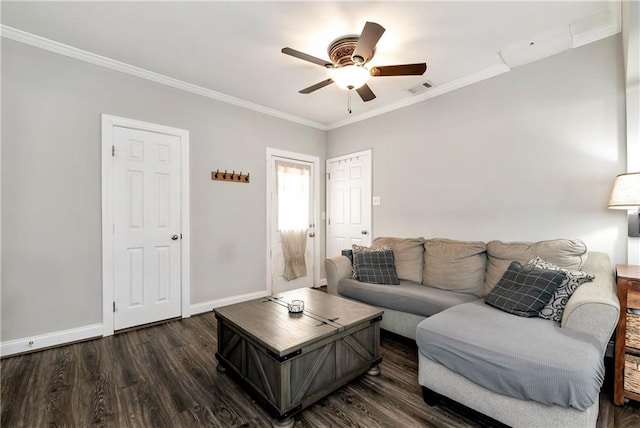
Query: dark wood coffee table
289	361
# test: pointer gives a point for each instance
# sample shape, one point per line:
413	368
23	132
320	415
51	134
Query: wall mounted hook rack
218	175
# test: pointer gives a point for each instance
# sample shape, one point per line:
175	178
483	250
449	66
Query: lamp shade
350	77
626	192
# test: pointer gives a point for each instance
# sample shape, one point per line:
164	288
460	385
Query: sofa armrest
594	308
337	268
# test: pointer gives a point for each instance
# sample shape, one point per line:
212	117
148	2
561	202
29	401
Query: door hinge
328	176
113	151
114	306
181	236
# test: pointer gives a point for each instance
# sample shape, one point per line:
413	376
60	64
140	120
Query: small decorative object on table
296	306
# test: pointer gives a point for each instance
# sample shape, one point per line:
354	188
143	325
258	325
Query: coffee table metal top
268	321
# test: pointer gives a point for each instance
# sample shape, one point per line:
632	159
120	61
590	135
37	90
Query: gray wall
527	155
51	188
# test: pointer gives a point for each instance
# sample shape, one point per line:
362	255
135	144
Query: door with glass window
292	229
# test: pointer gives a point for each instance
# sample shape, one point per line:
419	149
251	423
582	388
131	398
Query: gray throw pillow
554	309
524	290
376	267
349	254
566	253
360	249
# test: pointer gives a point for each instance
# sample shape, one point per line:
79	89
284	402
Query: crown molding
452	85
596	34
599	26
91	58
585	32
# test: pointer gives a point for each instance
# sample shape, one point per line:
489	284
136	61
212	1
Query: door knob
364	232
174	237
312	234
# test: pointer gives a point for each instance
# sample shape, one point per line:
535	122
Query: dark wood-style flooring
165	376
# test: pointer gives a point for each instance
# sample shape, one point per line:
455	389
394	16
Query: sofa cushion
376	267
525	358
524	290
406	297
566	253
408	254
554	309
455	265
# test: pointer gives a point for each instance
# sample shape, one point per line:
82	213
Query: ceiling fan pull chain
349	101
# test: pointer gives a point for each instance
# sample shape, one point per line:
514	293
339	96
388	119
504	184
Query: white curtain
294	244
293	215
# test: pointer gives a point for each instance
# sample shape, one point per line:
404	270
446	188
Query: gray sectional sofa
527	372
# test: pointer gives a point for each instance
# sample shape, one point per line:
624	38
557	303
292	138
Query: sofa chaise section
507	389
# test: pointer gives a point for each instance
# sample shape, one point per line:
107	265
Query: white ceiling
232	49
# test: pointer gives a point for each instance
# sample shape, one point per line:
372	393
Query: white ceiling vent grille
419	89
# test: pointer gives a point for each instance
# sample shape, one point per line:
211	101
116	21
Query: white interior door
147	222
292	199
348	202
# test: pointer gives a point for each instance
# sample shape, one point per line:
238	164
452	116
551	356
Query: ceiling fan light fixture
348	56
350	77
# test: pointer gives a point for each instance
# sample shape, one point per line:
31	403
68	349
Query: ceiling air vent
419	89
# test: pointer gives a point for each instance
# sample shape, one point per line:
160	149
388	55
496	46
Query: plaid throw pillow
360	249
376	267
554	309
524	290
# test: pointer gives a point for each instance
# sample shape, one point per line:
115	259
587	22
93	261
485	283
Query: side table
628	280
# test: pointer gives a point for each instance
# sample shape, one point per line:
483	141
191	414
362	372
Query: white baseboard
199	308
323	282
47	340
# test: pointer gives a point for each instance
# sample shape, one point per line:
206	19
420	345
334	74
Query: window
293	195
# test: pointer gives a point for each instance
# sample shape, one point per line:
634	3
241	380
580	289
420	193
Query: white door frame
327	207
271	153
108	123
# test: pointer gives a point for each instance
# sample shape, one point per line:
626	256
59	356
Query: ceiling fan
349	55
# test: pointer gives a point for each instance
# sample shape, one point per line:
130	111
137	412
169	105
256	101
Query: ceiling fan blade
371	33
365	93
306	57
316	86
399	70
